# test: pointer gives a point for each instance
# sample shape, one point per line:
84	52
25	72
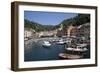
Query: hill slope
76	21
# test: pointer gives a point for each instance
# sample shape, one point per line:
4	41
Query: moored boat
69	56
46	44
61	42
79	48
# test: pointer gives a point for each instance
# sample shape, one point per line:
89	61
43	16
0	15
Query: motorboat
79	48
61	42
46	44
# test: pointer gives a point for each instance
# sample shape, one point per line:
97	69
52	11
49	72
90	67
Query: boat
61	42
79	48
69	56
46	44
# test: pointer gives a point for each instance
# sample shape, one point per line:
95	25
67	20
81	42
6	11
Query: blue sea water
39	53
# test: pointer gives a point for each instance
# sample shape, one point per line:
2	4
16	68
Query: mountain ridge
76	21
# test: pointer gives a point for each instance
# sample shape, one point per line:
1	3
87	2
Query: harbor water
37	52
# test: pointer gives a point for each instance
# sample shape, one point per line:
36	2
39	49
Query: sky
47	18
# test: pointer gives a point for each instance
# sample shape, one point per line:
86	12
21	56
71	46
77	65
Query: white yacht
46	44
61	42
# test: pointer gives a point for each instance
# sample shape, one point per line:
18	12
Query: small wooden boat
69	56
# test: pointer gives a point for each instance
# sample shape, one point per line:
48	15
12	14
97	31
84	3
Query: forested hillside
76	21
